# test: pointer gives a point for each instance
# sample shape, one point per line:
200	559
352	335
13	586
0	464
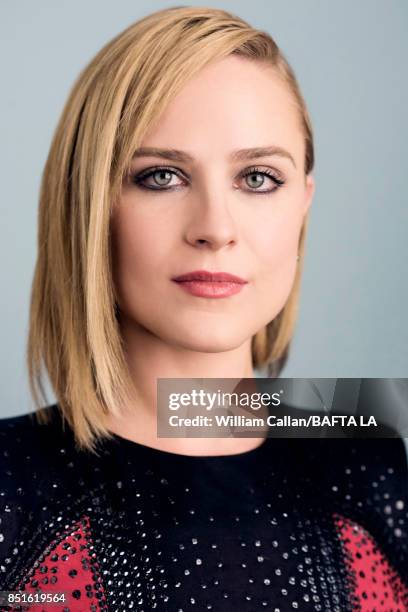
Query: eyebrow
240	155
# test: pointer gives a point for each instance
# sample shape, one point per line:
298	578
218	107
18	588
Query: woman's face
207	209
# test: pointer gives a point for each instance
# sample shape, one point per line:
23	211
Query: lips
211	277
201	283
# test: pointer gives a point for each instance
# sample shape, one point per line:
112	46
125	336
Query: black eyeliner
137	178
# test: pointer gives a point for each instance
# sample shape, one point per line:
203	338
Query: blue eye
161	177
259	177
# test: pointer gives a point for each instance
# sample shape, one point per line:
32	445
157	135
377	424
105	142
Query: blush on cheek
276	234
277	250
274	291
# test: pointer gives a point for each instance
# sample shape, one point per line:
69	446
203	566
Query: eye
256	178
160	178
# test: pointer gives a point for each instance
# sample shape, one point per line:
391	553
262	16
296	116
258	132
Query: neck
150	358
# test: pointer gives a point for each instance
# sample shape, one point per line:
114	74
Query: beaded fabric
294	524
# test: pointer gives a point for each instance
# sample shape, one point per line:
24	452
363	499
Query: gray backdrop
351	61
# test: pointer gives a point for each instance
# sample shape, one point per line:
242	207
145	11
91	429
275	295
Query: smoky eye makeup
160	177
254	179
274	177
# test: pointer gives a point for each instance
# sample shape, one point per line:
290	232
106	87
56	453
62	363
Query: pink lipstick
210	284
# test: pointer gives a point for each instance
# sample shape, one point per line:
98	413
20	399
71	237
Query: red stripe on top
69	565
375	585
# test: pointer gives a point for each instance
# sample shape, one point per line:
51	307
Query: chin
207	339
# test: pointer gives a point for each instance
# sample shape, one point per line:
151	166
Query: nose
210	224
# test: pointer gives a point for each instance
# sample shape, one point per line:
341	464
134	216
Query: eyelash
141	176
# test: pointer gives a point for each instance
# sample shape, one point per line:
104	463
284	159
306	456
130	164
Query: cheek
275	246
137	245
275	240
139	250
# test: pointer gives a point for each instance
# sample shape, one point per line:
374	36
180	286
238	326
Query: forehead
232	103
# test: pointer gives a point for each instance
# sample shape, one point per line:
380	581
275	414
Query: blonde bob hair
73	325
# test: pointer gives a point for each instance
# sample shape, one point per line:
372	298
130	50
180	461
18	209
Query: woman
185	148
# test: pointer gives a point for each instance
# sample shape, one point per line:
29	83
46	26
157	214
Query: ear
310	187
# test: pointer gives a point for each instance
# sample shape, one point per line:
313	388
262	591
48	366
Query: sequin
295	524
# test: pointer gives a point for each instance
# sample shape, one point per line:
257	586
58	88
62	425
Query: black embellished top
294	524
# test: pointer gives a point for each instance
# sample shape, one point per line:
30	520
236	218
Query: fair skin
215	219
